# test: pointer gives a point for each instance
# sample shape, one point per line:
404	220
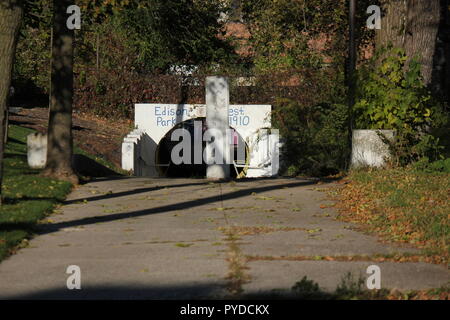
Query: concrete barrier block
369	149
37	150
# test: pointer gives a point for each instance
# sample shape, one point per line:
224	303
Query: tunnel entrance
167	168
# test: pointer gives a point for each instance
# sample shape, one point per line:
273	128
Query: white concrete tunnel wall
154	121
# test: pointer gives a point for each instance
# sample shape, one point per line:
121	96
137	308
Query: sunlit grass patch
403	205
27	196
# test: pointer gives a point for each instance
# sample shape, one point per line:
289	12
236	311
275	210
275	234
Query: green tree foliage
170	32
31	73
301	33
300	37
392	94
143	36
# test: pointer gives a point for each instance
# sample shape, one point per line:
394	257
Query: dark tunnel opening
167	168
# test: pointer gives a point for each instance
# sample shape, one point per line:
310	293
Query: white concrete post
217	105
37	150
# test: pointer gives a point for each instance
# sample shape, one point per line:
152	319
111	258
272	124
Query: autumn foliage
401	205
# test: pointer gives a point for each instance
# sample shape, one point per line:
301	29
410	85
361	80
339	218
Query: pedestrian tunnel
195	168
148	150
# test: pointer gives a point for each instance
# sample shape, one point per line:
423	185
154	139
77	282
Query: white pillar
217	105
37	150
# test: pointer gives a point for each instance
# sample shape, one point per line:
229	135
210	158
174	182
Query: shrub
425	165
307	289
113	93
392	95
315	137
31	72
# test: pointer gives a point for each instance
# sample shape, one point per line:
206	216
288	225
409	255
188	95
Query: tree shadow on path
50	228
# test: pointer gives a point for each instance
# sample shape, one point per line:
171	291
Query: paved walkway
188	238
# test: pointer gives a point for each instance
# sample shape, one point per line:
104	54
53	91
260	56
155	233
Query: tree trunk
10	20
421	35
412	25
393	24
445	26
441	72
60	144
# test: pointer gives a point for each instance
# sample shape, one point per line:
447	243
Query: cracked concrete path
142	238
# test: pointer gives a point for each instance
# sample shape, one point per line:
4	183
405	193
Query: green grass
28	197
403	204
